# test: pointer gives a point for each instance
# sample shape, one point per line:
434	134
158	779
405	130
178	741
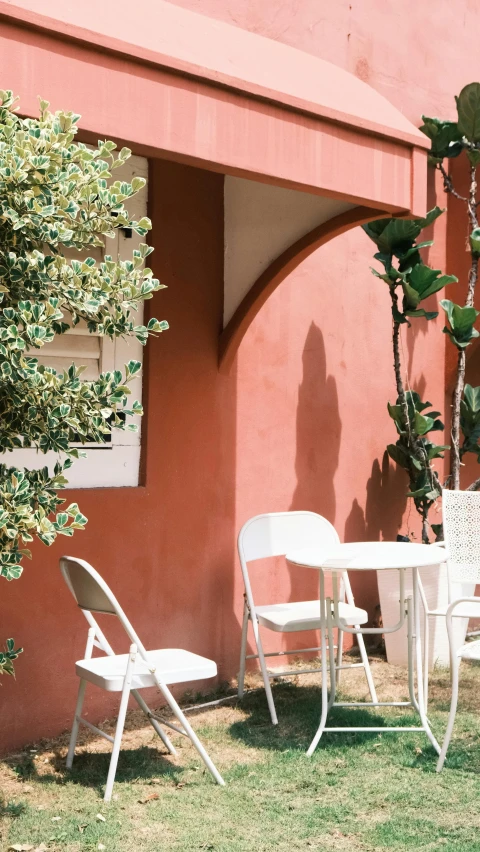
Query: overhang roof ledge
188	42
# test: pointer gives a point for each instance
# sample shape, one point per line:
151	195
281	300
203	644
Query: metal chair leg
80	698
148	713
426	654
263	667
451	717
243	651
75	726
339	655
366	666
188	730
117	740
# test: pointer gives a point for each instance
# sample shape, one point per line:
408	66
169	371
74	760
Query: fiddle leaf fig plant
451	139
56	193
410	281
407	276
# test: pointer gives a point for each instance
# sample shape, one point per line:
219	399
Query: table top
369	555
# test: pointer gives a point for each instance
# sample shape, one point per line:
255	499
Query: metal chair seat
171	665
304	615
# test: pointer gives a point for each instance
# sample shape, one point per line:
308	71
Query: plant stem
455	425
472	215
396	361
471	201
448	184
425	524
414	444
474	486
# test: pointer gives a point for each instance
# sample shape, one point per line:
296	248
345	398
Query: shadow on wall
385	505
384	509
319	431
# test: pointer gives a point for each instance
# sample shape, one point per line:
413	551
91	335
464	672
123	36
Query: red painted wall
300	422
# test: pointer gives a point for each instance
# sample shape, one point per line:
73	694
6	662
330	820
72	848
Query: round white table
367	556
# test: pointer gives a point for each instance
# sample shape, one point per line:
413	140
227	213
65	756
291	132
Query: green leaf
411	297
399	455
436	451
474	157
445	137
430	218
472	396
429	315
475	240
423	424
461	319
468	108
11	572
427	281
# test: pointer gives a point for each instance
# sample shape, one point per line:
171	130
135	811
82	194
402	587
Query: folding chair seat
172	665
128	673
304	615
275	534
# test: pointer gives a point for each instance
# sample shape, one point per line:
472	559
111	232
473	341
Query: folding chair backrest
276	533
461	527
93	595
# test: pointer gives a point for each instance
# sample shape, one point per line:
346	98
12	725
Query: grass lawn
358	792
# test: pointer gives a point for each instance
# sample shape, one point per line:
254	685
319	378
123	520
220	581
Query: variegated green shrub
56	193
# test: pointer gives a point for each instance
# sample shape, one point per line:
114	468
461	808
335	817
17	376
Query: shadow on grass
90	769
298	710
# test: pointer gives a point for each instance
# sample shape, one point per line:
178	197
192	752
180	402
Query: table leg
331	653
411	665
323	646
418	655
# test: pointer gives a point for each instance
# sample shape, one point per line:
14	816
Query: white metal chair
274	535
128	673
461	528
469	651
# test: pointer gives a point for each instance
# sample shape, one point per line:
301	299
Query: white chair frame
96	638
470	650
461	528
277	540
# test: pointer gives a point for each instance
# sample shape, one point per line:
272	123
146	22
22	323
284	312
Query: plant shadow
90	769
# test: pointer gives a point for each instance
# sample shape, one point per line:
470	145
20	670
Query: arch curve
278	270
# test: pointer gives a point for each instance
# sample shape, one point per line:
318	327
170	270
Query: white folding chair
128	673
461	529
275	534
469	651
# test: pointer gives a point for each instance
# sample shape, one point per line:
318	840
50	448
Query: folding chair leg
243	652
331	654
339	656
146	709
120	723
263	667
366	666
453	711
426	643
189	730
74	734
80	697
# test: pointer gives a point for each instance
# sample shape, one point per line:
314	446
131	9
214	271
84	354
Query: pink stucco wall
301	420
314	371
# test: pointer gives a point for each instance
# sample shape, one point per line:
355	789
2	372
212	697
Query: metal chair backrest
276	533
461	527
93	595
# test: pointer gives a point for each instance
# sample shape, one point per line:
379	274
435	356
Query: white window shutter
117	463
